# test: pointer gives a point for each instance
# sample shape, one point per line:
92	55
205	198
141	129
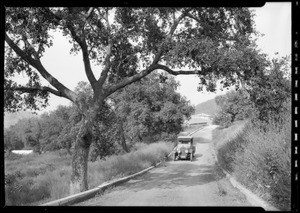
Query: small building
22	152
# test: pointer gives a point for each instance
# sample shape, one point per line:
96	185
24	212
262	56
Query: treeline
146	111
260	155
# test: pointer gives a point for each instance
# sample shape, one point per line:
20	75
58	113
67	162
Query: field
37	179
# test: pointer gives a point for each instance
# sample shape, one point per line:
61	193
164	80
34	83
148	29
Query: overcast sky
273	20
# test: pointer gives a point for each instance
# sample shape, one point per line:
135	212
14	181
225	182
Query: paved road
179	183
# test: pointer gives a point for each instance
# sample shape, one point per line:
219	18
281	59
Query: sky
273	20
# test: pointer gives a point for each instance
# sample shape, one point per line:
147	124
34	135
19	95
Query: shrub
223	119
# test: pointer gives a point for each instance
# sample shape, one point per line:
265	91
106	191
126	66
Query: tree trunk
80	158
68	147
123	141
140	137
69	151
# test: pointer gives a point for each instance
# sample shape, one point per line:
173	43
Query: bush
223	119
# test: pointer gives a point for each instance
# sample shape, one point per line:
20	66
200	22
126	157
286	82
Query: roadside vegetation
253	142
36	179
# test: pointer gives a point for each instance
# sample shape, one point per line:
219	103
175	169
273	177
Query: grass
33	178
37	179
129	163
260	160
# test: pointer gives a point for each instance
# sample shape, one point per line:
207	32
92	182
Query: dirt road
177	183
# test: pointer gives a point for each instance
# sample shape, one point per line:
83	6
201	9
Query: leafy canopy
127	44
152	108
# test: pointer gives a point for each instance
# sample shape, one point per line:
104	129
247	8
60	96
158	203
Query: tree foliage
12	141
271	89
212	41
263	97
234	105
151	108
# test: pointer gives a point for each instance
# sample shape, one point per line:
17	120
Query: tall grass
261	160
129	163
36	179
33	178
265	164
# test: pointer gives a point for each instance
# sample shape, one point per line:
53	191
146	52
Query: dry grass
260	160
123	165
37	179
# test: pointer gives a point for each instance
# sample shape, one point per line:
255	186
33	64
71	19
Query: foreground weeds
37	179
261	160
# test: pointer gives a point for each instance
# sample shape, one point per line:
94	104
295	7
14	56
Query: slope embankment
259	161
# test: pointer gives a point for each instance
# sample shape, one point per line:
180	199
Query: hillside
208	107
12	118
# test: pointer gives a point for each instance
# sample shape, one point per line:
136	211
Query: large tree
151	108
128	44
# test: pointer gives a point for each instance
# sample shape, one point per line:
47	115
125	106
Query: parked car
185	148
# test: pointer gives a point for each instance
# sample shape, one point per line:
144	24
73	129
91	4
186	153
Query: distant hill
208	107
13	118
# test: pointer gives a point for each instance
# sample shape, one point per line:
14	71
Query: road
177	183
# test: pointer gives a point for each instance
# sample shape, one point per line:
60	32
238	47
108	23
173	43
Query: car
185	148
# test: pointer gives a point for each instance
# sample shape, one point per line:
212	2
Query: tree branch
107	62
146	72
69	94
130	80
89	13
207	26
193	17
42	88
31	49
20	52
179	72
85	56
172	30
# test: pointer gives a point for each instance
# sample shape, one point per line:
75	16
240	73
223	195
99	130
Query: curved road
177	183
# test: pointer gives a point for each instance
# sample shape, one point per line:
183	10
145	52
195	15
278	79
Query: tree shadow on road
201	140
185	175
197	156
